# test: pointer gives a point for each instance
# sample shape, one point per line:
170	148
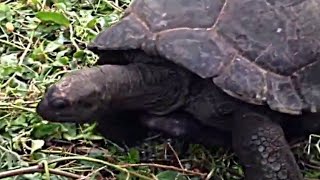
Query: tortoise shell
260	51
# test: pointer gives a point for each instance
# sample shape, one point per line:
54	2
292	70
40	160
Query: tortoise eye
59	104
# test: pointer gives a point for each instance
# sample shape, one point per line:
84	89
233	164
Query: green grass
40	41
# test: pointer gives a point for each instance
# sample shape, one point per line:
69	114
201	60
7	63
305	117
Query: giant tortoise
249	67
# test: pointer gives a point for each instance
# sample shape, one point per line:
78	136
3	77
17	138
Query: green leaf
52	46
36	144
79	54
91	24
20	121
64	60
5	12
55	17
9	59
44	130
133	156
38	54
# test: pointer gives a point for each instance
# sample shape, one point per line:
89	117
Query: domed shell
260	51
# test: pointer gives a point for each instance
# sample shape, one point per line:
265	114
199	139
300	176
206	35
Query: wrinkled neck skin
210	105
157	89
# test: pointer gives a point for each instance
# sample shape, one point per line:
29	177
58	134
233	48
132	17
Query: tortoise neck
155	88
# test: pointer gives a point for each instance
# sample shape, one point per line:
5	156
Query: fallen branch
117	167
38	168
165	167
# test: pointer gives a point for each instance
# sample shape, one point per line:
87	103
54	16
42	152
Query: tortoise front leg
122	128
261	146
184	126
131	128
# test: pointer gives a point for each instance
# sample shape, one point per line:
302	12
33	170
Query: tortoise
248	67
208	115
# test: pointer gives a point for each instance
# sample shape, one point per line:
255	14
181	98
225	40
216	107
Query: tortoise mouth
46	112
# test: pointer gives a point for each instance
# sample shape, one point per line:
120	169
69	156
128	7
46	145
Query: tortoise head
72	99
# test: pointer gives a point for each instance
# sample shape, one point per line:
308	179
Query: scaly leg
261	146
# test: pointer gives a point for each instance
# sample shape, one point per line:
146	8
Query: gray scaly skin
161	90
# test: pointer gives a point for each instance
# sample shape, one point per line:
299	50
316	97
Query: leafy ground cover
40	41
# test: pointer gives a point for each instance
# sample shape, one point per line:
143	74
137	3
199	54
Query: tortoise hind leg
261	146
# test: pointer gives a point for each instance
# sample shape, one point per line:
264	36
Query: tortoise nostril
59	104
